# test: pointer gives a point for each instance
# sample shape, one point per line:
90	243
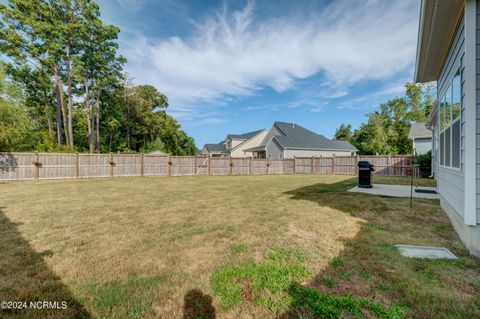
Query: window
450	109
442	127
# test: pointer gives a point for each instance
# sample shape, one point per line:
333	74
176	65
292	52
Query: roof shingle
299	137
244	136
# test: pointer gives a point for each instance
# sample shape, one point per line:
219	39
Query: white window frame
450	126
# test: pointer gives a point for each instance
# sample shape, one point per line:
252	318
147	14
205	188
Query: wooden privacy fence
43	166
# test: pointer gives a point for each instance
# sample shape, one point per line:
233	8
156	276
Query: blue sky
236	66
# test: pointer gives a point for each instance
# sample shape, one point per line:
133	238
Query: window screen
456	144
447	146
442	148
456	96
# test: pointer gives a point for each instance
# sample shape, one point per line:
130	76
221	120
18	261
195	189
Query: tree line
63	87
386	130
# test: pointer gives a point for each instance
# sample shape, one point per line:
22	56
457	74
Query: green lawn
291	246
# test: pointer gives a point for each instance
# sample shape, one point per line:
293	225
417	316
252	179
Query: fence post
77	166
311	165
170	163
268	165
294	165
209	165
142	167
231	166
195	164
357	159
389	163
37	166
111	164
250	166
333	164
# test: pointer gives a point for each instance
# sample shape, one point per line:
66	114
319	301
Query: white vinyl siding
274	150
478	112
451	182
253	142
422	145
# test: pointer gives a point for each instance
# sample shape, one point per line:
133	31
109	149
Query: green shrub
425	164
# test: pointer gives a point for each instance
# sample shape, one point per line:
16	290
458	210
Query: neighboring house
289	140
448	52
421	137
215	150
234	144
253	140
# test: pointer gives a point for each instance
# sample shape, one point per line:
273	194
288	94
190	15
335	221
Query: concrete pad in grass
425	252
395	191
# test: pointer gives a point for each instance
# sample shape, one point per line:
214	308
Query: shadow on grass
369	279
198	305
25	277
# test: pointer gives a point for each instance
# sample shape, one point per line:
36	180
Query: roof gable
419	130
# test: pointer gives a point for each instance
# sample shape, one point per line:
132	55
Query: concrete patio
394	191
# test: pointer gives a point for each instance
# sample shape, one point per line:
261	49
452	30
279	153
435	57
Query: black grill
365	170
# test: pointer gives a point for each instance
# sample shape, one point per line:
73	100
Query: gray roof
298	137
244	136
419	130
220	147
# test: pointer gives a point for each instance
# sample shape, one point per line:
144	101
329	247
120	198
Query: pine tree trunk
49	120
89	117
97	126
64	115
69	93
127	118
58	113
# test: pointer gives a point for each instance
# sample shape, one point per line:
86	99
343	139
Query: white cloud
234	54
373	99
209	121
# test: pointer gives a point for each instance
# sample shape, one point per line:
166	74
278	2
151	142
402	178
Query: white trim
470	210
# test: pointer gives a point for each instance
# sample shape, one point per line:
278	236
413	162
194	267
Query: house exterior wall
469	235
274	150
253	142
422	145
477	129
235	142
291	153
451	182
205	151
